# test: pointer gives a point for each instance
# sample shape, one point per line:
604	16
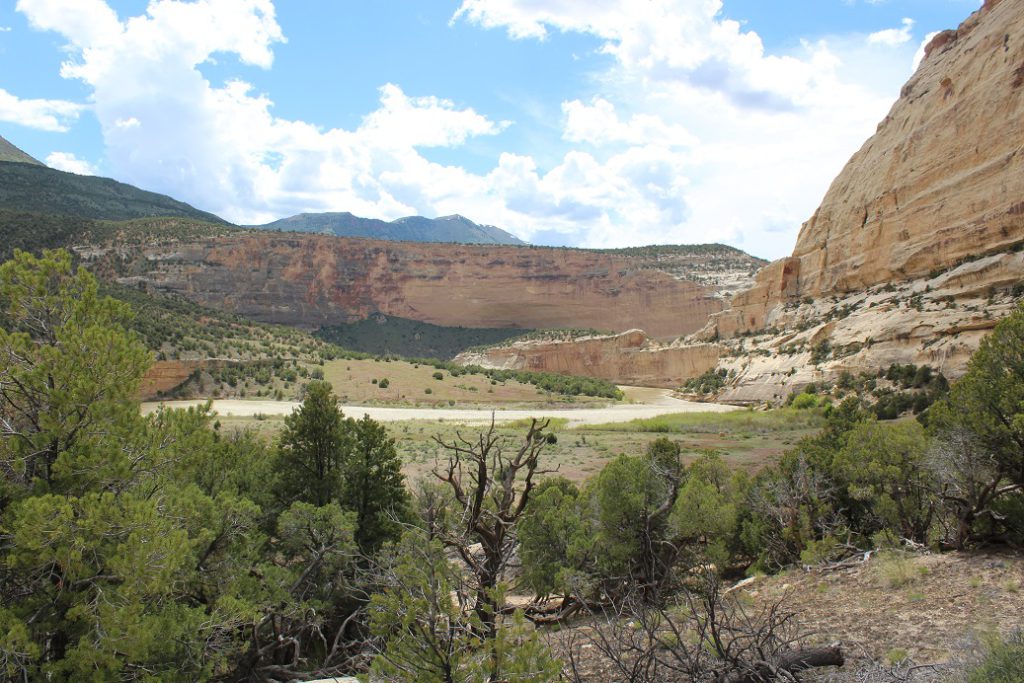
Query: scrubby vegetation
566	385
711	382
27	187
388	335
889	394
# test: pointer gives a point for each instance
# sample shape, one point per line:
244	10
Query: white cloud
405	121
50	115
5	29
220	147
66	161
893	36
763	133
598	123
86	22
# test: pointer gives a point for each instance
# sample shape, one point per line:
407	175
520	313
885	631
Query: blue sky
600	123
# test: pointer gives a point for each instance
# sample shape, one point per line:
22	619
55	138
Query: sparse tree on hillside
989	400
427	629
634	498
67	366
979	427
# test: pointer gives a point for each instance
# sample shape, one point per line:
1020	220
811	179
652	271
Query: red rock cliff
313	280
628	358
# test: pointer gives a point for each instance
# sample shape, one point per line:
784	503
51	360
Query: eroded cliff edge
940	183
314	280
911	257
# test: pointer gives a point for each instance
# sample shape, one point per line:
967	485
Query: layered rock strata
630	358
942	180
912	256
312	280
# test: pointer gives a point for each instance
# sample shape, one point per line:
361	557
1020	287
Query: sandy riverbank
646	403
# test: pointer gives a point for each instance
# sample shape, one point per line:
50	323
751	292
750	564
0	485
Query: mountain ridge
9	152
454	228
40	189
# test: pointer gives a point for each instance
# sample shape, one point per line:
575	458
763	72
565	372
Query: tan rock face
313	280
937	322
943	177
940	182
911	256
630	358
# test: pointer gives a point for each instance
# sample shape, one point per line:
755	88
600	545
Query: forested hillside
36	188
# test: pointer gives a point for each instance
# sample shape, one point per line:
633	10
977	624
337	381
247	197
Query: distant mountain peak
453	228
8	152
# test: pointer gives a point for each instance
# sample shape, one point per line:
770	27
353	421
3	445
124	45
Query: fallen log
787	664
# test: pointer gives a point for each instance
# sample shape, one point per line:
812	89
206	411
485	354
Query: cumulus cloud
893	36
66	161
747	141
598	123
50	115
220	146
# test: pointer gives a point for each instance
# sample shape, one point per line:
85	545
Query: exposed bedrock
630	358
312	280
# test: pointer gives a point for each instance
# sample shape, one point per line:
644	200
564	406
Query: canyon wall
941	182
314	280
630	358
913	255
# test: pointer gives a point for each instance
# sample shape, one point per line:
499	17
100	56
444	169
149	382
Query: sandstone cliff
940	182
630	358
911	257
166	375
315	280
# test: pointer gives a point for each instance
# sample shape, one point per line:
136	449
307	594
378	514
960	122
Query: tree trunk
790	662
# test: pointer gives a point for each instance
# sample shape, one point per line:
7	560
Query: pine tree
315	444
374	486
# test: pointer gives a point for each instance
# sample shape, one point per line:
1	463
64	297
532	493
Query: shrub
383	384
805	401
438	375
894	569
1003	662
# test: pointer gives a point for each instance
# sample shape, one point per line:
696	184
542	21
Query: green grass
408	382
1003	662
896	569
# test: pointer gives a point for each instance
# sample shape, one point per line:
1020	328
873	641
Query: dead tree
704	637
491	486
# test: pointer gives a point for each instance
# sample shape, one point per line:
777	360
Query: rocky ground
891	613
926	607
937	321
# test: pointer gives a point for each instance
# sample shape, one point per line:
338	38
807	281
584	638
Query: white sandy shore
647	403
